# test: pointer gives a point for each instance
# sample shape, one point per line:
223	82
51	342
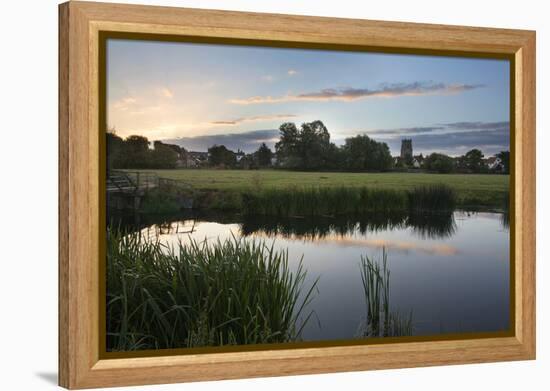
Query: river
450	273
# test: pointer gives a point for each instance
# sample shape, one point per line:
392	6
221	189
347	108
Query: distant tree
439	163
314	145
287	148
249	161
136	151
334	158
219	155
356	153
473	161
361	153
164	155
504	157
115	152
460	164
308	148
382	156
264	155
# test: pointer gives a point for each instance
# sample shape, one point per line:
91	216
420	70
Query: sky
197	95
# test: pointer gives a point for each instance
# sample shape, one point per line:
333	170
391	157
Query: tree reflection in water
440	225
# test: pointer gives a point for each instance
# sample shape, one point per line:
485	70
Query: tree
473	161
287	146
439	163
334	158
361	153
314	144
219	155
504	157
164	155
115	153
308	148
264	155
136	151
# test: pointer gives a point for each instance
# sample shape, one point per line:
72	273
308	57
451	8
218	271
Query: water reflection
317	228
450	271
505	219
425	226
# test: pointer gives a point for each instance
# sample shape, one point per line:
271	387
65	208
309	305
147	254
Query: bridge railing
141	181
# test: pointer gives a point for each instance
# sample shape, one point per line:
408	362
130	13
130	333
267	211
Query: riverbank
224	188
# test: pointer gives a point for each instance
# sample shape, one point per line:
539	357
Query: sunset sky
197	95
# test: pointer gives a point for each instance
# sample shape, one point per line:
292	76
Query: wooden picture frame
81	364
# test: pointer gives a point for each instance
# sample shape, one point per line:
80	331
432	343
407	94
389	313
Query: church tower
406	150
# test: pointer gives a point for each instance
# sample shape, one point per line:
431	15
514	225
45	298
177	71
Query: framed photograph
246	195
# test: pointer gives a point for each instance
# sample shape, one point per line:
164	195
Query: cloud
406	247
404	131
246	141
292	72
394	245
124	103
451	139
260	99
256	118
456	138
166	92
353	94
478	125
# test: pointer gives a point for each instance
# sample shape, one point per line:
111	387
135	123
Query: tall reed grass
322	201
319	201
437	197
380	320
201	294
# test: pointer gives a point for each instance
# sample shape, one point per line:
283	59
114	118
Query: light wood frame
80	365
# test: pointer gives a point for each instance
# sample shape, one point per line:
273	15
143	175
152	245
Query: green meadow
470	189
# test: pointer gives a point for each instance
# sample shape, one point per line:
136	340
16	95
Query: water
452	272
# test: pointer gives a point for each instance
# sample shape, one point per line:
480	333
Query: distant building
407	151
196	159
418	160
494	163
239	155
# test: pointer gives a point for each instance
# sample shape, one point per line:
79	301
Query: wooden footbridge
131	182
125	189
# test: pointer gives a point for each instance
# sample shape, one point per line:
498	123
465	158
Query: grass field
471	189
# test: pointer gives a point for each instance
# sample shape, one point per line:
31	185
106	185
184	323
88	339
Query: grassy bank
336	201
471	189
214	294
313	201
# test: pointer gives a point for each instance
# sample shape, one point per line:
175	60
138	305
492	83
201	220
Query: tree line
472	162
307	148
310	148
134	152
